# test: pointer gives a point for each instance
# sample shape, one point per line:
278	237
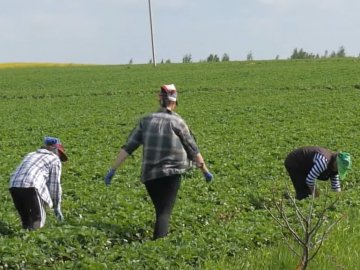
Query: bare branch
316	214
318	224
292	249
285	225
311	206
326	232
299	214
322	214
278	220
288	226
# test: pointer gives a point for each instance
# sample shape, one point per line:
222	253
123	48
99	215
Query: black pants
298	179
29	206
163	193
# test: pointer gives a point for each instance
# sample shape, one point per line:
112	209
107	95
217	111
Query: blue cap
51	141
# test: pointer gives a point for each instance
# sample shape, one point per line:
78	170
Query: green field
246	117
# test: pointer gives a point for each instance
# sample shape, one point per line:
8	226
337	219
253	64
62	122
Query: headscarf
343	161
55	142
168	93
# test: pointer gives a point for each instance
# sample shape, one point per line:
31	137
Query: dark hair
164	101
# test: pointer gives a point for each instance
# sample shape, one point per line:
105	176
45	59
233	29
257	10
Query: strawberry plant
246	119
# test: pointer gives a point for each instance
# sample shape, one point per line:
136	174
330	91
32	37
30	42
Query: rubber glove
109	176
208	176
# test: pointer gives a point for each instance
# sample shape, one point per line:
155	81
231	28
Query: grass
246	116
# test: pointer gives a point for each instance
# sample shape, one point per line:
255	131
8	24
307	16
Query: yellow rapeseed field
26	65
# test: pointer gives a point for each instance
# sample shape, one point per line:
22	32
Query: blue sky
115	31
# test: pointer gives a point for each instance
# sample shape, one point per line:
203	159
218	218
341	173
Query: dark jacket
301	160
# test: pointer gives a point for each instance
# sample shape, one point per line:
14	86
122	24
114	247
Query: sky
118	31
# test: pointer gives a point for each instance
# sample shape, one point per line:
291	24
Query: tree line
301	54
296	54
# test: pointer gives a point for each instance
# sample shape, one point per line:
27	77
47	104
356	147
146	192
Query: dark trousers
298	179
163	193
29	206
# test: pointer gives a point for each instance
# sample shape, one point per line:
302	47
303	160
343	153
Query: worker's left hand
58	214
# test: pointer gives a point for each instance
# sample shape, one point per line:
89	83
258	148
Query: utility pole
152	36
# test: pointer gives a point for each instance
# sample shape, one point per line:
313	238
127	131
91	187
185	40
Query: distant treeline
296	54
301	54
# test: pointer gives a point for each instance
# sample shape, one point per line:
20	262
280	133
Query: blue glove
58	214
109	176
208	176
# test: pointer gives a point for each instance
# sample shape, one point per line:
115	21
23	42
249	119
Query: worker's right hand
109	176
208	176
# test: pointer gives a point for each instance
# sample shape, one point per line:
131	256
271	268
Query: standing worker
36	182
167	147
306	164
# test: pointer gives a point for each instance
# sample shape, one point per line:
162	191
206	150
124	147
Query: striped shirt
320	165
41	170
167	144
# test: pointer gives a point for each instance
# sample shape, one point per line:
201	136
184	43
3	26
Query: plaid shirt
41	170
167	144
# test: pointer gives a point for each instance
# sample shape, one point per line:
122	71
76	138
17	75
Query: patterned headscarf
168	93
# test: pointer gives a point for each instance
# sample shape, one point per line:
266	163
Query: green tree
326	54
213	58
341	52
210	58
187	58
225	58
295	54
301	54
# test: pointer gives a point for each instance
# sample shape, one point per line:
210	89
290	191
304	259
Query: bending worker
306	164
36	183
